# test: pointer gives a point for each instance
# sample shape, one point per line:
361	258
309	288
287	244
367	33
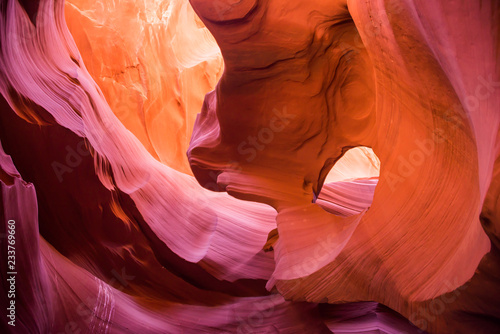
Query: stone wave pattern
253	166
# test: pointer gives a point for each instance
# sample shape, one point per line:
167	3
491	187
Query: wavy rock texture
342	171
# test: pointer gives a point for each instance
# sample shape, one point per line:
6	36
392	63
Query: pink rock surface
345	157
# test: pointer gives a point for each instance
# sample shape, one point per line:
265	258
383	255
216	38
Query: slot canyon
252	166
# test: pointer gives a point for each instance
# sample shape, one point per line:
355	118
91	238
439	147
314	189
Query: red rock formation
398	77
114	235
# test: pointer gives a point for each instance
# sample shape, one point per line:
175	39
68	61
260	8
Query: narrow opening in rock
350	184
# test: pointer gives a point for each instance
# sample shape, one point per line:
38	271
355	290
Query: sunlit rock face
154	87
342	172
